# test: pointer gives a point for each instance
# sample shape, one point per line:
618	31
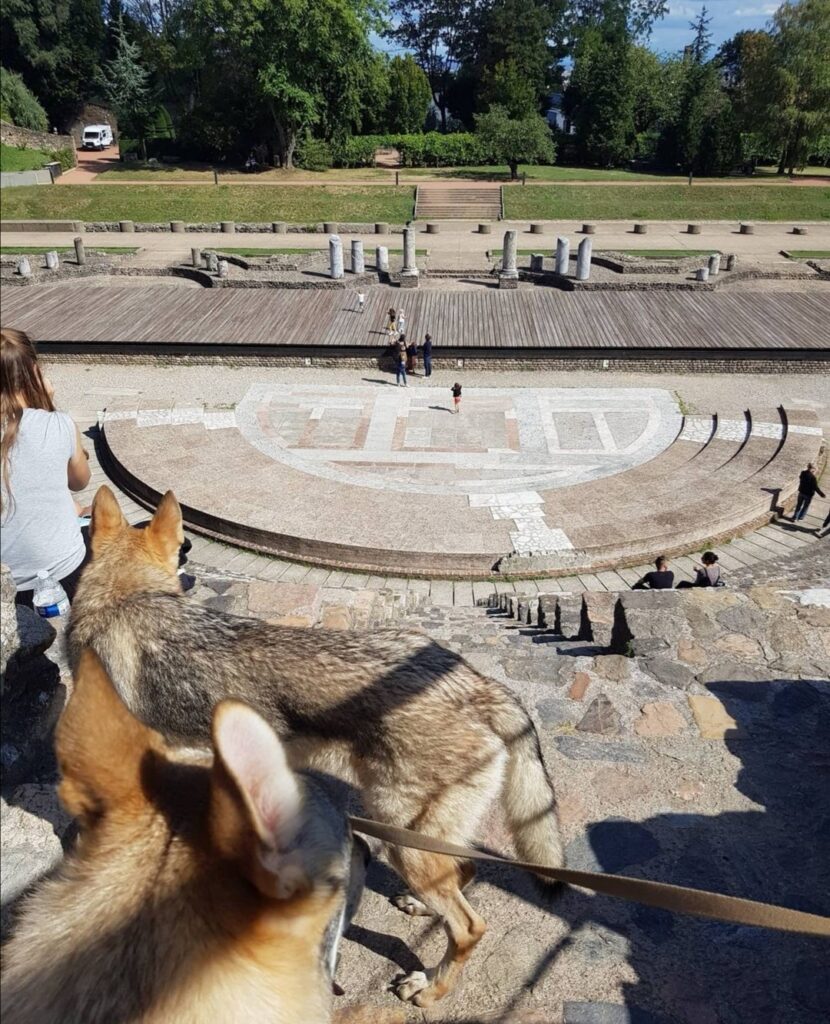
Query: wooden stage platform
154	317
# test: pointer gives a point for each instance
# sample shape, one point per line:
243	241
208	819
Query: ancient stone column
213	262
24	268
335	257
80	254
537	262
382	259
358	263
583	260
563	255
222	268
730	261
409	274
52	261
196	257
702	274
714	264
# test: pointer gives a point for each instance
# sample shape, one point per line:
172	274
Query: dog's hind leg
436	881
414	907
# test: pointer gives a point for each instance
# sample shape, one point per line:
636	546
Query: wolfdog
201	888
429	742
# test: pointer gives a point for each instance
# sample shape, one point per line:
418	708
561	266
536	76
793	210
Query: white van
97	136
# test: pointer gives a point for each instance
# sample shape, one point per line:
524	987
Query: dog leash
675	898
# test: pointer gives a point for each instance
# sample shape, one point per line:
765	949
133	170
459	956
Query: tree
307	61
702	42
515	140
18	104
601	97
637	16
409	96
55	46
437	32
127	85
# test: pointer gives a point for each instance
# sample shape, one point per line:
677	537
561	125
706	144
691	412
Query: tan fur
429	741
160	915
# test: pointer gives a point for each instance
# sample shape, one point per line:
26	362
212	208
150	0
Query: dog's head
133	558
207	878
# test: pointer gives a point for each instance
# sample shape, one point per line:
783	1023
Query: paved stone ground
700	760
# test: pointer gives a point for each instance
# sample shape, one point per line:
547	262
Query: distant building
556	115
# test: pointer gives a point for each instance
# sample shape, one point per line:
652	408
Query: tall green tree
307	60
515	141
18	104
128	87
55	45
409	96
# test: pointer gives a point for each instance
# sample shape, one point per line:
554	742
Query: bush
19	105
313	154
359	150
65	157
432	149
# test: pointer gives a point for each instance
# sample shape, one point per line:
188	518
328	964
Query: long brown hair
21	387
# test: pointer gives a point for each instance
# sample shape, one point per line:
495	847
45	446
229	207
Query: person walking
808	488
401	322
391	319
426	352
361	301
456	396
825	526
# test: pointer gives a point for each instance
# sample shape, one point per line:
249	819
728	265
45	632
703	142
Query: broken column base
409	278
508	280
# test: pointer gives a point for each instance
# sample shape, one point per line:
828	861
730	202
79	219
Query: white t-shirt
40	528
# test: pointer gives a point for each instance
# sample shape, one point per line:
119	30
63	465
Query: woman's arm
78	473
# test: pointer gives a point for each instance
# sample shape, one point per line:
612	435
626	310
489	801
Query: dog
429	742
201	888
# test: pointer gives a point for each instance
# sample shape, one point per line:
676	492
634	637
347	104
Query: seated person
660	577
43	461
707	574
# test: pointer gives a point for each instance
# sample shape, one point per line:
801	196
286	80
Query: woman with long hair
42	459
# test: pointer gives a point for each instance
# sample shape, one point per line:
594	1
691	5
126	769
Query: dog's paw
410	986
408	903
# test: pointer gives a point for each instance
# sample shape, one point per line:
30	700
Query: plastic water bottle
49	598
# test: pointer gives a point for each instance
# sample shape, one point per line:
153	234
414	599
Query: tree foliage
515	141
18	105
127	85
409	96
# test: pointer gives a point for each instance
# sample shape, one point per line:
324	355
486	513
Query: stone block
330	227
600	610
382	228
577	748
126	226
284	600
669	672
227	227
711	717
569	614
588	229
747	229
336	617
693	229
640	229
547	611
601	717
433	228
409	280
615	667
510	283
536	229
485	229
537	262
278	227
659	719
579	686
177	227
800	231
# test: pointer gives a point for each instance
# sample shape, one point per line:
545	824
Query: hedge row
431	149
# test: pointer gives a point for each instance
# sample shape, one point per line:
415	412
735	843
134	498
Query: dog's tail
528	794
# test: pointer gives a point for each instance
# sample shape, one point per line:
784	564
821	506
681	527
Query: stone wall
12	135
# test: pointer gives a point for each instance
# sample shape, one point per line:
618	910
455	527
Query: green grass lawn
204	172
807	172
663	202
808	254
40	250
14	159
307	204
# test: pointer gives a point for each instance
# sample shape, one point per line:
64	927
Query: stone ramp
442	201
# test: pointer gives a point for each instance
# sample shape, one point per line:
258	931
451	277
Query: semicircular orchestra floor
389	479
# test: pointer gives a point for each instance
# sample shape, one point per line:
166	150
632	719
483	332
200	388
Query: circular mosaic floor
388	478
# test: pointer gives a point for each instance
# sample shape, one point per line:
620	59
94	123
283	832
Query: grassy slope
664	202
225	202
14	159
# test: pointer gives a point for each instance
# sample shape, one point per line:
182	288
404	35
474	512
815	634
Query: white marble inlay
774	431
815	431
697	429
539	539
187	414
154	417
105	416
219	419
516	498
732	430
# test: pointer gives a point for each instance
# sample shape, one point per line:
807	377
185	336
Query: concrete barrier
73	226
16	179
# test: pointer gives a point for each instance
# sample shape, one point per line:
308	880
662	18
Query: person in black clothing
456	396
426	352
808	488
660	578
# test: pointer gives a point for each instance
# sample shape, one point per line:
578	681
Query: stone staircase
441	201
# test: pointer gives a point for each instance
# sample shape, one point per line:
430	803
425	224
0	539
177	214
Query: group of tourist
661	577
405	353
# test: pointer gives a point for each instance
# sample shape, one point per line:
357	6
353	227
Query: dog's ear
100	745
255	801
107	519
165	531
